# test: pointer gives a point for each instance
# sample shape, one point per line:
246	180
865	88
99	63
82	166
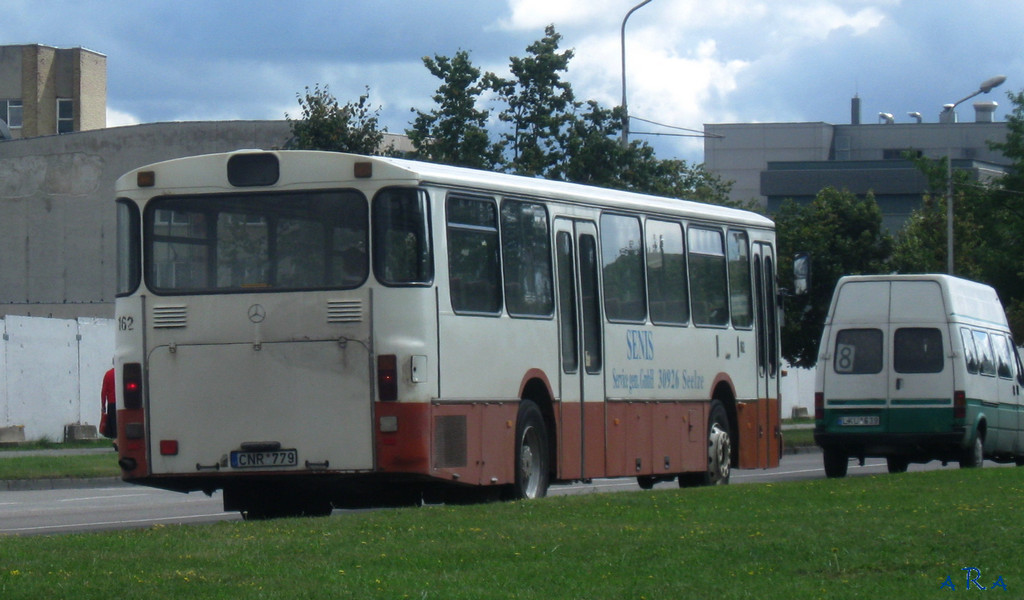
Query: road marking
103	497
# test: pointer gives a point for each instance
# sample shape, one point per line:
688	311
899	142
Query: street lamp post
948	116
625	111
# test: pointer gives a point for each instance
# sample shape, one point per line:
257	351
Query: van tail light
387	377
131	392
819	406
959	405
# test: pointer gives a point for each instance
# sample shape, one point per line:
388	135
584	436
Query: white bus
308	330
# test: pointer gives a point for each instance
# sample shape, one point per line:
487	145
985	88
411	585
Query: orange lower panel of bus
474	442
471	443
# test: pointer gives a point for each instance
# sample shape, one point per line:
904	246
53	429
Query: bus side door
581	394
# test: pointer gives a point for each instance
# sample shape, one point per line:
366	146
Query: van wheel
897	464
973	456
836	463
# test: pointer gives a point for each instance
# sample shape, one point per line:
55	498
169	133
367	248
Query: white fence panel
95	357
51	371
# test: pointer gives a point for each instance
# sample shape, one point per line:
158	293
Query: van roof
964	299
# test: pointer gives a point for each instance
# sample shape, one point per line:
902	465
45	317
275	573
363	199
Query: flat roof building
46	90
772	162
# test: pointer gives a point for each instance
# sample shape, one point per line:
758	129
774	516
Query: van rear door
855	380
921	379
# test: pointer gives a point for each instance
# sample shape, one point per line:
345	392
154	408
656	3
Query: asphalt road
123	506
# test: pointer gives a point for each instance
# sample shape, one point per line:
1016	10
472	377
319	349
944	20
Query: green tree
455	132
327	125
844	236
1002	256
539	107
921	245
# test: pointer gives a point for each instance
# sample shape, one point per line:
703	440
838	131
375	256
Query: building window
65	115
11	113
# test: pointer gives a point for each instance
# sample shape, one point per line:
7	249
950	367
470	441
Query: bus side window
970	352
473	260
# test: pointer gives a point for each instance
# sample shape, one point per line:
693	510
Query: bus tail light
819	406
132	386
168	447
387	377
959	404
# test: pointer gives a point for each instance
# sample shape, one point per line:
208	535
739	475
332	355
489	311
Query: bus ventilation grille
344	311
449	441
168	317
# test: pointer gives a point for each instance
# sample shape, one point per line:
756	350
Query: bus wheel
973	456
531	454
719	447
897	464
836	463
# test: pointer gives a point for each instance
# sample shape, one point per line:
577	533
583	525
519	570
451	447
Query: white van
916	368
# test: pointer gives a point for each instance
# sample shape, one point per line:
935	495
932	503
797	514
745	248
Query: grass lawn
886	536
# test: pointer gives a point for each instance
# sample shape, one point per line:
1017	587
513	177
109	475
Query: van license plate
271	458
858	421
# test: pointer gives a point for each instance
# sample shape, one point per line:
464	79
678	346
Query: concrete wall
57	218
51	372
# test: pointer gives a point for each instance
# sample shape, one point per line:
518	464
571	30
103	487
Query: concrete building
46	90
770	162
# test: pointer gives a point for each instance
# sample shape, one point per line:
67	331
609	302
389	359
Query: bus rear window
256	242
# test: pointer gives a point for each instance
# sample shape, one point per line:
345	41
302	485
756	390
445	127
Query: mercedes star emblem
257	313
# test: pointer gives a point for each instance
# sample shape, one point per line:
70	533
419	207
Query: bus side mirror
801	273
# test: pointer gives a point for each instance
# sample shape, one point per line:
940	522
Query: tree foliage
327	125
455	132
844	236
539	106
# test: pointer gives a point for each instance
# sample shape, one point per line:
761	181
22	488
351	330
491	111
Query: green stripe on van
920	420
921	401
857	402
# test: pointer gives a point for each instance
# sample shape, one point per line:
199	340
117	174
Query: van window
987	363
917	350
1004	358
970	352
858	351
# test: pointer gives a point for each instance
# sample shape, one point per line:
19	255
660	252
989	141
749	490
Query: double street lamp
948	116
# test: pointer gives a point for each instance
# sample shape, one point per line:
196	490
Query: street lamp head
989	84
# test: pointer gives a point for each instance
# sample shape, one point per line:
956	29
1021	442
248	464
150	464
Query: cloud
117	118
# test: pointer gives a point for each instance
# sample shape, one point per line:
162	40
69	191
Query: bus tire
719	446
897	464
531	454
835	462
973	456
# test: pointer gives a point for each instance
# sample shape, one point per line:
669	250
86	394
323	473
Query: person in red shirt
108	404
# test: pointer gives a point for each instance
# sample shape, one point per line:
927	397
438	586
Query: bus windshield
256	242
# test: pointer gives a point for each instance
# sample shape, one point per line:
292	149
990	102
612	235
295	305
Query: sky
688	62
